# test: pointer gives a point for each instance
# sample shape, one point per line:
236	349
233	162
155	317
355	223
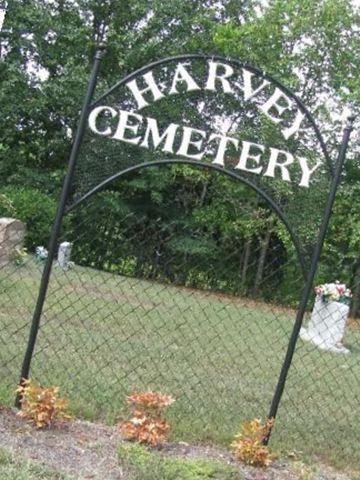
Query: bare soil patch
89	451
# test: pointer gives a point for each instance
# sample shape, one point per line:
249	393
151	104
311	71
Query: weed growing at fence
147	424
41	406
248	444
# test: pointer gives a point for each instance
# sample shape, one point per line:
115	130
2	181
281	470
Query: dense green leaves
34	208
46	51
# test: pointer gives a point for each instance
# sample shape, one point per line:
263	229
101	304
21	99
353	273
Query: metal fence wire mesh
321	397
202	318
148	306
19	285
185	281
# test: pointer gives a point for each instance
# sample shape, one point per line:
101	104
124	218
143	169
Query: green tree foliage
46	51
34	208
314	48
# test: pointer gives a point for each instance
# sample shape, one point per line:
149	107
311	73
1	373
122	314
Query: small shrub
7	205
147	424
248	444
34	208
41	406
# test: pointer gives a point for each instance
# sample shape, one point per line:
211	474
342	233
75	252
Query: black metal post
309	282
58	219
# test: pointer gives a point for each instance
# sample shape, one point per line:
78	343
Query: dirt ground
89	451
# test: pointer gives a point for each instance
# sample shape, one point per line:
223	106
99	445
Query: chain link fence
180	304
322	393
184	280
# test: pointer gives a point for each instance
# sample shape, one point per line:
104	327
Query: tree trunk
203	194
261	263
245	264
355	310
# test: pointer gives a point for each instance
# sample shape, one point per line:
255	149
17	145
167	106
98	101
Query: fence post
310	278
58	219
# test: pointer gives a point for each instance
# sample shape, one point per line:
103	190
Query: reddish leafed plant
147	423
248	445
41	406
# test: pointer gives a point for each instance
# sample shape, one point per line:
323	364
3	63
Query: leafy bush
7	205
41	406
248	445
34	208
147	424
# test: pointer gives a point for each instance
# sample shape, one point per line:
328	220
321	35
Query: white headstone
64	253
326	327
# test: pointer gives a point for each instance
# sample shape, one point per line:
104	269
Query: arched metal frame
62	209
238	64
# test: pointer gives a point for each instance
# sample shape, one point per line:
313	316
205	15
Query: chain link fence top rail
186	282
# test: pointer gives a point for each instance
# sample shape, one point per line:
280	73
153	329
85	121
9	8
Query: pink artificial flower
319	290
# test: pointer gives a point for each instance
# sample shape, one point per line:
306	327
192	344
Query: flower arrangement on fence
334	292
41	253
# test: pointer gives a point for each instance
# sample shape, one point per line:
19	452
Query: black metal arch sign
217	113
197	144
209	112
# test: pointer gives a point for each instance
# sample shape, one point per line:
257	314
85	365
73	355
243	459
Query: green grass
12	468
143	464
103	336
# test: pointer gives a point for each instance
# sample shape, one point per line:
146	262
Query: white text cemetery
197	144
